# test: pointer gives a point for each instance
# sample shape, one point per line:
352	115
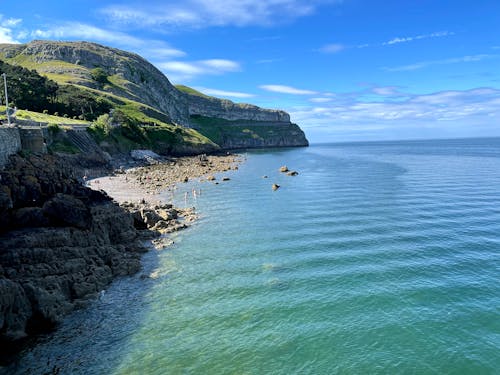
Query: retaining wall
10	143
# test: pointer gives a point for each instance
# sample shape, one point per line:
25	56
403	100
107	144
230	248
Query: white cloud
205	13
320	100
78	30
153	49
385	90
406	39
224	93
332	48
282	89
454	60
186	70
447	113
7	29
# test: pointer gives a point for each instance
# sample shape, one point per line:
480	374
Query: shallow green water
376	258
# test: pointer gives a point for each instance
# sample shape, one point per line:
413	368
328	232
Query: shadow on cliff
61	244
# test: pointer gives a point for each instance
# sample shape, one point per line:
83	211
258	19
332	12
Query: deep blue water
378	257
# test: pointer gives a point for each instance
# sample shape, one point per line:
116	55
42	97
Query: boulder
275	187
284	169
15	309
29	217
66	210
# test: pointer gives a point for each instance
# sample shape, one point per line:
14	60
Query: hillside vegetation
84	81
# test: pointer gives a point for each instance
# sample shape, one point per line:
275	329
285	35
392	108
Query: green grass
50	119
63	146
189	90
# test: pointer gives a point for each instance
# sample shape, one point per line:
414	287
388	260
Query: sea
377	258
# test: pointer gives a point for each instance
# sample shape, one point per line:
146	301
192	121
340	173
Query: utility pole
6	98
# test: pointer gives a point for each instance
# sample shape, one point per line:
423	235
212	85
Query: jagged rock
66	210
46	271
275	187
15	309
284	169
29	217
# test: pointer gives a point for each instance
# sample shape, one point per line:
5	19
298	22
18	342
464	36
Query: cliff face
60	243
132	77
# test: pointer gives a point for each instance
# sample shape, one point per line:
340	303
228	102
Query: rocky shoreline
62	242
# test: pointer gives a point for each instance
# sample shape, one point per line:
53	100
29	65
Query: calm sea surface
377	258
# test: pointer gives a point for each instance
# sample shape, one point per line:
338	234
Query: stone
66	210
29	217
292	173
275	187
284	169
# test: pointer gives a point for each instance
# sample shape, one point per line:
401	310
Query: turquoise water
376	258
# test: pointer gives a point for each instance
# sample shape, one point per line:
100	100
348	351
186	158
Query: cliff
60	243
128	80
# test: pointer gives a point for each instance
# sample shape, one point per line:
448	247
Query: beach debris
284	169
276	187
292	173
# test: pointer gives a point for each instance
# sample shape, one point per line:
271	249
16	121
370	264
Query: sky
345	70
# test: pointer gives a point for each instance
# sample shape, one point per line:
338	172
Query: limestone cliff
131	77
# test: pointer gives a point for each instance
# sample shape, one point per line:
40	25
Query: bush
54	128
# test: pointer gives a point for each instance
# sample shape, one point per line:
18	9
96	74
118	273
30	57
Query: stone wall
33	140
10	143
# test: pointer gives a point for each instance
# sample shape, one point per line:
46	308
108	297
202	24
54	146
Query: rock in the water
275	187
210	178
292	173
284	169
225	179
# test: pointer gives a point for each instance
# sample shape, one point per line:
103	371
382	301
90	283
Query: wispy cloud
282	89
268	61
75	30
187	70
320	100
152	49
450	112
454	60
407	39
7	29
332	48
337	47
205	13
224	93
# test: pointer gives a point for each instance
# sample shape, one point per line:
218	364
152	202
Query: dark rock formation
60	243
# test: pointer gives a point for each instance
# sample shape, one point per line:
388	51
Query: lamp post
6	98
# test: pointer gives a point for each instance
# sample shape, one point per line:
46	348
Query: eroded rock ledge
60	243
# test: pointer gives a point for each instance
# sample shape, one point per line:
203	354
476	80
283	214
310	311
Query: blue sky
346	70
